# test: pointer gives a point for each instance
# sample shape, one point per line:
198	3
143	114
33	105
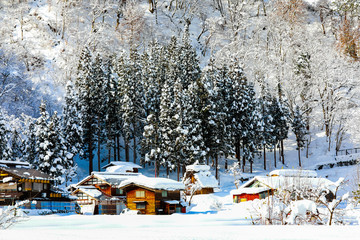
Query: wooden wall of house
149	198
205	191
106	189
171	195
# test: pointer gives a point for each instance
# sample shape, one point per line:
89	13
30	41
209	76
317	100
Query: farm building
153	195
261	187
99	194
18	184
198	178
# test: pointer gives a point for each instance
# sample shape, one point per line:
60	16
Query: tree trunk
299	157
264	149
114	148
282	152
127	157
109	154
274	155
237	150
251	167
243	161
118	147
178	170
98	153
216	166
91	156
134	150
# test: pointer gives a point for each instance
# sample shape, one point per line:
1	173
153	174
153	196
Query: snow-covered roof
28	173
154	183
206	179
202	175
125	165
7	163
282	182
197	168
114	178
91	191
293	173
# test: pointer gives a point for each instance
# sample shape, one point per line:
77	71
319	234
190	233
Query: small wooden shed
200	175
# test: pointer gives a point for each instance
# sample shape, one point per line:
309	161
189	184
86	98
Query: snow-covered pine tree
132	101
194	142
167	124
30	148
110	106
51	146
98	80
251	126
281	128
16	146
153	79
299	128
42	143
217	130
236	101
4	138
189	70
70	121
84	85
267	130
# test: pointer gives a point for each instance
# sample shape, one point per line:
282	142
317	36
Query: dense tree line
169	111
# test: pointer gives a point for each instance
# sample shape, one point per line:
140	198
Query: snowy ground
200	226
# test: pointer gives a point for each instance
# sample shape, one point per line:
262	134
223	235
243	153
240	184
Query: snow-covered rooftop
154	183
206	179
293	173
202	175
6	163
124	165
91	191
197	168
282	182
114	178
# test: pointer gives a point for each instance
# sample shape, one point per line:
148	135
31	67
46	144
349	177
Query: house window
140	194
37	187
119	191
164	193
141	205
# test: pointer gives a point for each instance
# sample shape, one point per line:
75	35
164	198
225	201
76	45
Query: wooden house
153	195
18	184
261	187
99	192
202	177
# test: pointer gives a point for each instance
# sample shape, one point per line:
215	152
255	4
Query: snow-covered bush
302	212
11	215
